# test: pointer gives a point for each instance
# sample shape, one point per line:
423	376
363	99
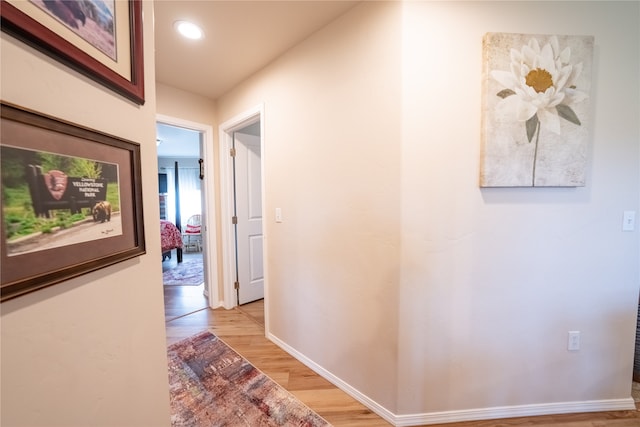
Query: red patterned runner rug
212	385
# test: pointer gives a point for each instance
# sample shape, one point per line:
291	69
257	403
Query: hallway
242	328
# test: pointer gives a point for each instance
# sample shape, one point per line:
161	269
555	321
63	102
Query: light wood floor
243	329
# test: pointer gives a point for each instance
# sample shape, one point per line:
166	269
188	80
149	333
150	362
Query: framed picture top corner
101	39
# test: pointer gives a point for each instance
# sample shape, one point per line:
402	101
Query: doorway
242	185
185	149
247	181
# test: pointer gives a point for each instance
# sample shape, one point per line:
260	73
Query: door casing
248	205
227	128
210	257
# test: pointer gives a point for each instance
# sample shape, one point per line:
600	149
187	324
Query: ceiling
241	37
177	142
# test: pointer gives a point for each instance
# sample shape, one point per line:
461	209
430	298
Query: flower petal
549	120
505	78
530	92
505	109
565	55
554	99
562	77
523	71
574	96
529	56
575	73
553	41
525	110
534	45
546	59
515	55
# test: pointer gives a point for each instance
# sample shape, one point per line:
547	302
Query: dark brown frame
32	32
24	273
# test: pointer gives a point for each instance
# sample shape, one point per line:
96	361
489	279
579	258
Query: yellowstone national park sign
55	190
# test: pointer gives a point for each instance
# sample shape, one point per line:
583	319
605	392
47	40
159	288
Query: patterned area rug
187	273
212	385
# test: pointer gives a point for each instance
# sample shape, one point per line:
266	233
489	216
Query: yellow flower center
539	79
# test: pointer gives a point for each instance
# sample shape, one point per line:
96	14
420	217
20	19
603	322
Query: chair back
193	224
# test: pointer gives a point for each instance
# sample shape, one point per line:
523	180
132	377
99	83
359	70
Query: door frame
226	131
209	237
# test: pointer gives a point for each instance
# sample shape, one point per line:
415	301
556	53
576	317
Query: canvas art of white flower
535	110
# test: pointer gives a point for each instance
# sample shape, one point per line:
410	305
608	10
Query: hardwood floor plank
304	379
243	330
255	310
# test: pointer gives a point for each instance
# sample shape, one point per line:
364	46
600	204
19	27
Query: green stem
535	154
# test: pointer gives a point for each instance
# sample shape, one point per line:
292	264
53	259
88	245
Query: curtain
190	196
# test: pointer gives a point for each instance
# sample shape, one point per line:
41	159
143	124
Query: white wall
183	105
92	350
493	279
393	271
331	129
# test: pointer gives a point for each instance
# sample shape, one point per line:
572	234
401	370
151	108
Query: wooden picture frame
122	72
71	201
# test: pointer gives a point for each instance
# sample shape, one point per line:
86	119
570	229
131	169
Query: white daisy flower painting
536	111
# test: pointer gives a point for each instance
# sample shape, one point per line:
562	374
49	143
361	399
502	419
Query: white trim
342	385
515	411
210	257
460	415
226	130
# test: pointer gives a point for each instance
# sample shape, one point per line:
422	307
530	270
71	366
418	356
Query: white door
248	204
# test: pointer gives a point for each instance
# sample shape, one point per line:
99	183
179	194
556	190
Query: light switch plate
629	221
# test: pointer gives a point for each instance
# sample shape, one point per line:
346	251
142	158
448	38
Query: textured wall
392	269
89	351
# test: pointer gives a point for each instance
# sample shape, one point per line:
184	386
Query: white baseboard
514	411
464	414
360	397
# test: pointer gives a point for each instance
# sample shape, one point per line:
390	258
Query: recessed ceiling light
188	30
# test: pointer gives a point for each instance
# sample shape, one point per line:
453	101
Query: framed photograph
71	201
101	39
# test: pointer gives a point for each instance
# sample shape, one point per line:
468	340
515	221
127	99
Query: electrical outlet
573	344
